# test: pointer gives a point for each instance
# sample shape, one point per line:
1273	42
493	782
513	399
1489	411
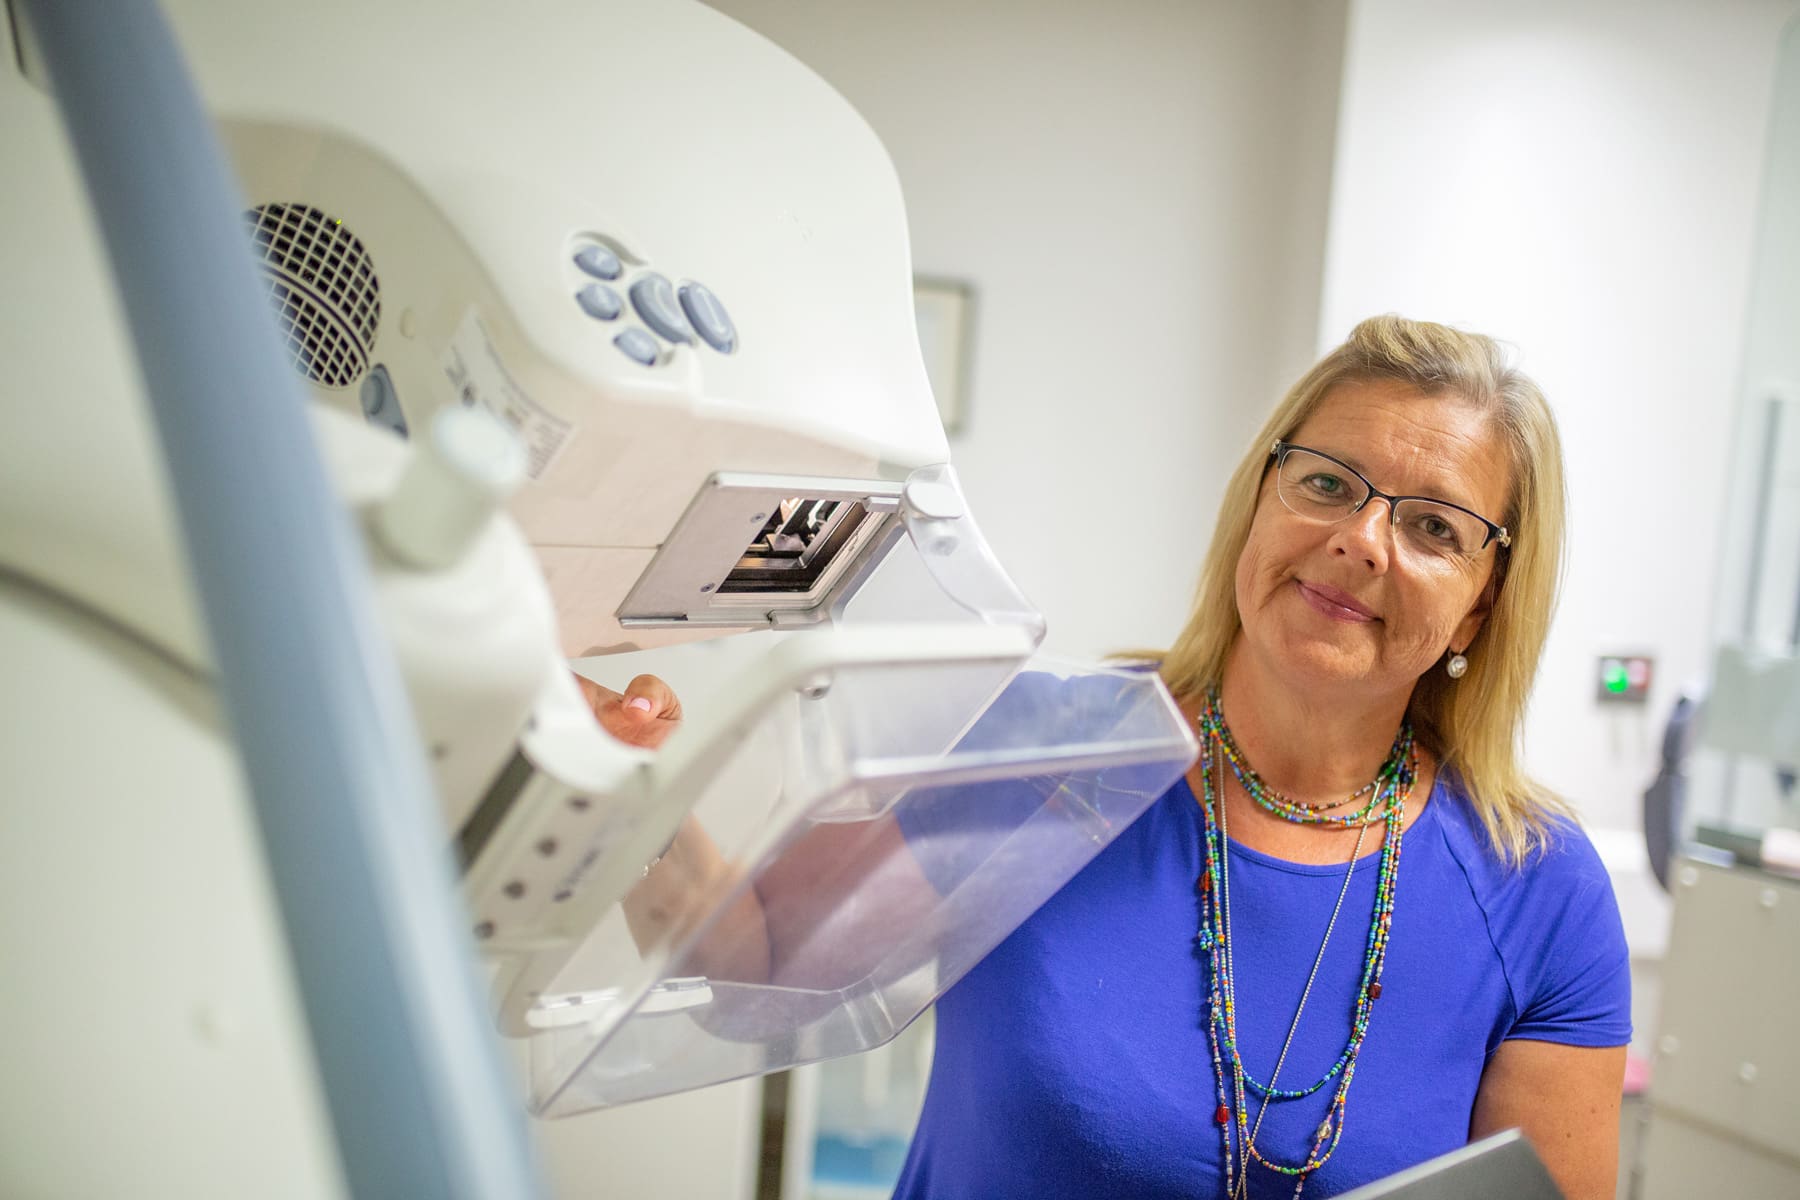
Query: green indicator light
1614	679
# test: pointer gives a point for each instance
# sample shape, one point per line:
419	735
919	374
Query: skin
1566	1099
1314	695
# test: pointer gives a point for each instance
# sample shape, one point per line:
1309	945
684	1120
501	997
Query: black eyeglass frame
1496	533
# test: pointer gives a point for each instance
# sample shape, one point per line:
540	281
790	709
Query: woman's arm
1566	1099
678	887
819	917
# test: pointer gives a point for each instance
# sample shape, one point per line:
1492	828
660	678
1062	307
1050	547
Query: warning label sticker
479	376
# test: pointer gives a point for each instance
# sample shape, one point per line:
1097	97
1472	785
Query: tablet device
1500	1167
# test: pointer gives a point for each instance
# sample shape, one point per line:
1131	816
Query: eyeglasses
1321	488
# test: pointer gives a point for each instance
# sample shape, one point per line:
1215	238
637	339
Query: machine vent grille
323	288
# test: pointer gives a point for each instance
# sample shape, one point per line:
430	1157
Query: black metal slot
485	821
795	547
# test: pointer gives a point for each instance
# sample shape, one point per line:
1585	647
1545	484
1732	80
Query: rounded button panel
654	298
678	315
709	318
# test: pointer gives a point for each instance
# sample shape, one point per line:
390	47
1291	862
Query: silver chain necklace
1215	766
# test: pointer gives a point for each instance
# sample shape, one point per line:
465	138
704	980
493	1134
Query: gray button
379	403
638	345
710	319
654	298
599	262
600	302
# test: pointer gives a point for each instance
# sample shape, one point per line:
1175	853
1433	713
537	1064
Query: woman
1402	943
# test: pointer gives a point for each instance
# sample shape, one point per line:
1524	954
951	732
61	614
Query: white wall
1581	180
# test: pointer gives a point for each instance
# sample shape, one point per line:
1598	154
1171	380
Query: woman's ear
1477	616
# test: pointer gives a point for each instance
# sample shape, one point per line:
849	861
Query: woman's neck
1310	746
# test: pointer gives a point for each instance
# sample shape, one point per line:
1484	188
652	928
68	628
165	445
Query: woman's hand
645	714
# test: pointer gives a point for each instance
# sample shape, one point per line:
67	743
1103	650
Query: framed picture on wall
945	311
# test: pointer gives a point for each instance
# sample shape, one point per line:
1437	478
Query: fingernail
639	703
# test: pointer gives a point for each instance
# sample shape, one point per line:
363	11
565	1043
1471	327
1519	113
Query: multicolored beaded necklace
1392	788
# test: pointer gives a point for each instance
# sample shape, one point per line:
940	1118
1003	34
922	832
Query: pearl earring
1457	665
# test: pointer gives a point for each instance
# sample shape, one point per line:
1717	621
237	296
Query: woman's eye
1437	529
1326	484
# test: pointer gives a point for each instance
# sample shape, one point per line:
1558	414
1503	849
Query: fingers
652	699
645	714
596	695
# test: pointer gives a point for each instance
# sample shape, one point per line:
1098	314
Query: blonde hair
1471	724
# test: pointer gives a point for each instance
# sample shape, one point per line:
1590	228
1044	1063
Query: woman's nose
1367	534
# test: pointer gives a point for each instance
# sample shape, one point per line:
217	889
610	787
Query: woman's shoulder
1554	923
1562	861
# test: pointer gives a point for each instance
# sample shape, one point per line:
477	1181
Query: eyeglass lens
1313	486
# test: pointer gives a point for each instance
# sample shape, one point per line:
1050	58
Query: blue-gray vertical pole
419	1101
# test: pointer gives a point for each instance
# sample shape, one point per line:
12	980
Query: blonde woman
1356	935
1401	938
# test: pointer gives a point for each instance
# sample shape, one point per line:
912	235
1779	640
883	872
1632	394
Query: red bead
1221	1115
1203	884
1375	990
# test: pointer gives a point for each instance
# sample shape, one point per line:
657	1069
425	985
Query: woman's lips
1339	606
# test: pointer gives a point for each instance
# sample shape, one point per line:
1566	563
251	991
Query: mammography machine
602	315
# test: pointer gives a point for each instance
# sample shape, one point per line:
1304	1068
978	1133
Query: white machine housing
421	243
426	250
452	263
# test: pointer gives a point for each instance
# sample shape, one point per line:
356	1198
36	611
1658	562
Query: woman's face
1328	605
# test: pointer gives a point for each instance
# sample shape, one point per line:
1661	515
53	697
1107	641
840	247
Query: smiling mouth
1339	606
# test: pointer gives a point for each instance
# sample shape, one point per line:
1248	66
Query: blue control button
710	319
599	262
654	298
637	345
600	302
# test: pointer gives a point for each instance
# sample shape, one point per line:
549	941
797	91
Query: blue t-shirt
1074	1061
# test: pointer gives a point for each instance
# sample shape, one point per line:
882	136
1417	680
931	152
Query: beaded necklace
1212	726
1393	787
